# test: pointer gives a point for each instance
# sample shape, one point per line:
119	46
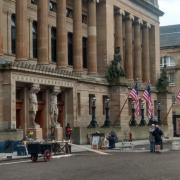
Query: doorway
176	125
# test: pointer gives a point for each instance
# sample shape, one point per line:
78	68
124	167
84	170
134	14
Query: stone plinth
36	133
58	133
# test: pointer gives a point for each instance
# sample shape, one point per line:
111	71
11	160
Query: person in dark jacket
158	138
68	131
112	138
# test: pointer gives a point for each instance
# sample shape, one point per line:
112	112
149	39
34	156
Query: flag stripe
148	99
134	95
178	96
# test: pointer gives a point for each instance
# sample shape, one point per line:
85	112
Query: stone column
128	46
119	32
21	30
137	50
61	34
77	36
1	39
92	41
42	29
145	53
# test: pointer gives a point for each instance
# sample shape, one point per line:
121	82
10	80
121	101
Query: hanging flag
135	97
148	99
178	96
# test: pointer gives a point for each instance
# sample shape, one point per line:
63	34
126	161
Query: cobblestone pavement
92	166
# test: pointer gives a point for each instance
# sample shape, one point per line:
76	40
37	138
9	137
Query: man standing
152	138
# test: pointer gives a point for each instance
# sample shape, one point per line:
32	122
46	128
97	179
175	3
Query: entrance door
61	109
40	115
176	125
19	111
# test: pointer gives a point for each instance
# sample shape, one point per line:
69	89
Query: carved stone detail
33	105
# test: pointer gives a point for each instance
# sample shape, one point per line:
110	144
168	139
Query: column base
58	133
35	133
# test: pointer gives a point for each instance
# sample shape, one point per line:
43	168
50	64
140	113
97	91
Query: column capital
119	12
138	21
147	25
130	17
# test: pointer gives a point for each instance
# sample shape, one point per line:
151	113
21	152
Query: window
84	52
171	78
70	48
84	19
13	33
91	96
34	36
104	101
69	13
34	2
53	44
52	6
167	61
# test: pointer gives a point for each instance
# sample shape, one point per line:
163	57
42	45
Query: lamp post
159	112
142	122
132	121
107	120
93	123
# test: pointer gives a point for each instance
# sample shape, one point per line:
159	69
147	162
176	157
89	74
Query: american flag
178	96
147	97
135	97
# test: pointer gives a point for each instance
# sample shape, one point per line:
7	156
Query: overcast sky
171	8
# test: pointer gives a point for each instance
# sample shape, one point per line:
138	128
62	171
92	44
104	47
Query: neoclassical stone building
54	56
170	57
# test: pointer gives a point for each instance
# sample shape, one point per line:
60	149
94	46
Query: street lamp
132	121
93	123
142	122
159	112
107	120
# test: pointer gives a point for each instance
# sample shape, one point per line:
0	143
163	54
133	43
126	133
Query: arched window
13	33
167	61
34	36
53	44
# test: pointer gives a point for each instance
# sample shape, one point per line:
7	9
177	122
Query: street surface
92	166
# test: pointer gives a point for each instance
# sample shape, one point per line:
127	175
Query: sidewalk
125	146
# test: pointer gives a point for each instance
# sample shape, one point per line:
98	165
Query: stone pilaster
119	32
128	46
77	36
61	33
137	50
42	26
1	39
21	30
145	53
92	40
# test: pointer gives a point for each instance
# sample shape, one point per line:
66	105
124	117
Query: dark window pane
34	34
70	49
84	52
13	33
53	44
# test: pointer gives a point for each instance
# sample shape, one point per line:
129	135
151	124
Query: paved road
91	166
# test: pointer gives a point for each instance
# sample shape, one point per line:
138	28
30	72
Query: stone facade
37	56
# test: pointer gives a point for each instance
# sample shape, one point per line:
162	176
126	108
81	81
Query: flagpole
123	105
168	112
